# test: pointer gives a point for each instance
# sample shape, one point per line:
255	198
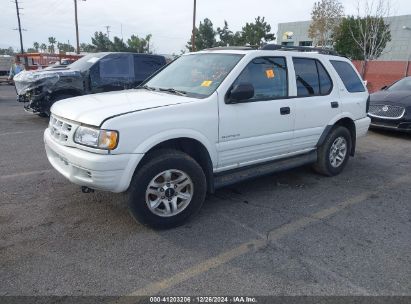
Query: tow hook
85	189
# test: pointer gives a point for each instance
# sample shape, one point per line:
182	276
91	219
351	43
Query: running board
241	174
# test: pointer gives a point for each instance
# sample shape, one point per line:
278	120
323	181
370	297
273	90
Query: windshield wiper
173	91
146	87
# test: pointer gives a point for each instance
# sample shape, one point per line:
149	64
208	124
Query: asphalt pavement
291	233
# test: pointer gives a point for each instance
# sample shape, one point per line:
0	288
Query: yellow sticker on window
206	83
270	73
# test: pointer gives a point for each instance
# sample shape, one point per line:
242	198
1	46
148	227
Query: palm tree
43	47
36	46
52	42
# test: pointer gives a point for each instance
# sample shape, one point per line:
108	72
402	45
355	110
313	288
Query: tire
174	166
46	112
328	163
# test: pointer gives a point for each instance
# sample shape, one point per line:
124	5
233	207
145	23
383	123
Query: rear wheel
168	189
334	153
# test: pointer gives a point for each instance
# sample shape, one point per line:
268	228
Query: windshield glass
197	75
84	63
401	85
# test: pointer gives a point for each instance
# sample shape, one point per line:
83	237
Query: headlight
101	139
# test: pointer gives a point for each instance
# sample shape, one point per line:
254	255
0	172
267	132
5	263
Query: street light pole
408	56
193	36
76	21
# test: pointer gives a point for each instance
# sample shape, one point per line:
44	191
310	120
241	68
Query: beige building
399	48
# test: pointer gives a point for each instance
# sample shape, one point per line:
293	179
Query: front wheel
334	153
168	189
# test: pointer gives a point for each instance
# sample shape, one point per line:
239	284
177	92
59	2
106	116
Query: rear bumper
361	126
97	171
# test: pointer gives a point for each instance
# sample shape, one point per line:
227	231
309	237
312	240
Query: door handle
285	110
334	104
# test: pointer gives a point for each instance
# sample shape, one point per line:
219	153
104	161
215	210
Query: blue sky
168	21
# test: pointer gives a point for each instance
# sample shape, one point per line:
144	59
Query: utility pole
193	37
21	36
108	31
76	22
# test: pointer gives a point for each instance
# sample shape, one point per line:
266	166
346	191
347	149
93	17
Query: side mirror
240	92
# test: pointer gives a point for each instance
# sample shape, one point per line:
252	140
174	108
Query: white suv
206	120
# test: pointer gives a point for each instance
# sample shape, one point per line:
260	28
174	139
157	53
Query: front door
260	128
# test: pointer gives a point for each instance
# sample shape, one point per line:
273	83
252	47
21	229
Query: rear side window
268	75
116	66
144	66
348	76
312	78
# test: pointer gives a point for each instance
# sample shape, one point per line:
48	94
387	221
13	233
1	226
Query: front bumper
107	172
403	125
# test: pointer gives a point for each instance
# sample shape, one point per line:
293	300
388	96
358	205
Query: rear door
260	128
317	101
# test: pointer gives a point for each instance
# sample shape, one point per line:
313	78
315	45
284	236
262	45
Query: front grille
59	129
386	111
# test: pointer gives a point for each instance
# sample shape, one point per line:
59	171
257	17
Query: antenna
108	31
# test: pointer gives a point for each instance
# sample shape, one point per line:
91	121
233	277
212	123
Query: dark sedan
390	108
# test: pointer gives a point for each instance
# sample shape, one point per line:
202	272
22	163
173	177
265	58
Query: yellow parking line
247	247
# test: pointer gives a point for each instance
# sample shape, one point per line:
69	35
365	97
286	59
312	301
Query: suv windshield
84	63
196	75
401	85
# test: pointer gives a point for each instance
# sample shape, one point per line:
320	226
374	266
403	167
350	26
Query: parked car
390	108
93	73
6	62
207	120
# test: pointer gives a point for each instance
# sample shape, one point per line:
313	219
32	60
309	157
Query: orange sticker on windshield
270	73
206	83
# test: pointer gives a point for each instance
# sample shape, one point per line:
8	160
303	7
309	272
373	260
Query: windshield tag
206	83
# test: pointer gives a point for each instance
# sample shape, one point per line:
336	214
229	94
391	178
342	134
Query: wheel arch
193	147
346	122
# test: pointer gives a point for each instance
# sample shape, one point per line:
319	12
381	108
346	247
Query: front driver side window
268	75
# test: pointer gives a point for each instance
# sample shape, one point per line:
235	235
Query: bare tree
326	16
370	32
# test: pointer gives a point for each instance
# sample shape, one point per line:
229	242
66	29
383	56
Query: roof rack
279	47
233	48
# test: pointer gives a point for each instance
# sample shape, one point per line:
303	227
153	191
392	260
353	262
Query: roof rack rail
233	48
279	47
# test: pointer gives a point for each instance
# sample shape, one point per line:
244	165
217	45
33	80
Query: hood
391	97
94	109
26	80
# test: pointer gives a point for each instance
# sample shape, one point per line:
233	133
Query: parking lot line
273	235
21	132
28	173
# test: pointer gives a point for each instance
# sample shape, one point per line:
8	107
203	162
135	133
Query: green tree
226	35
326	16
101	42
139	45
52	42
352	41
118	45
36	46
204	36
43	47
8	51
65	47
256	33
88	48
